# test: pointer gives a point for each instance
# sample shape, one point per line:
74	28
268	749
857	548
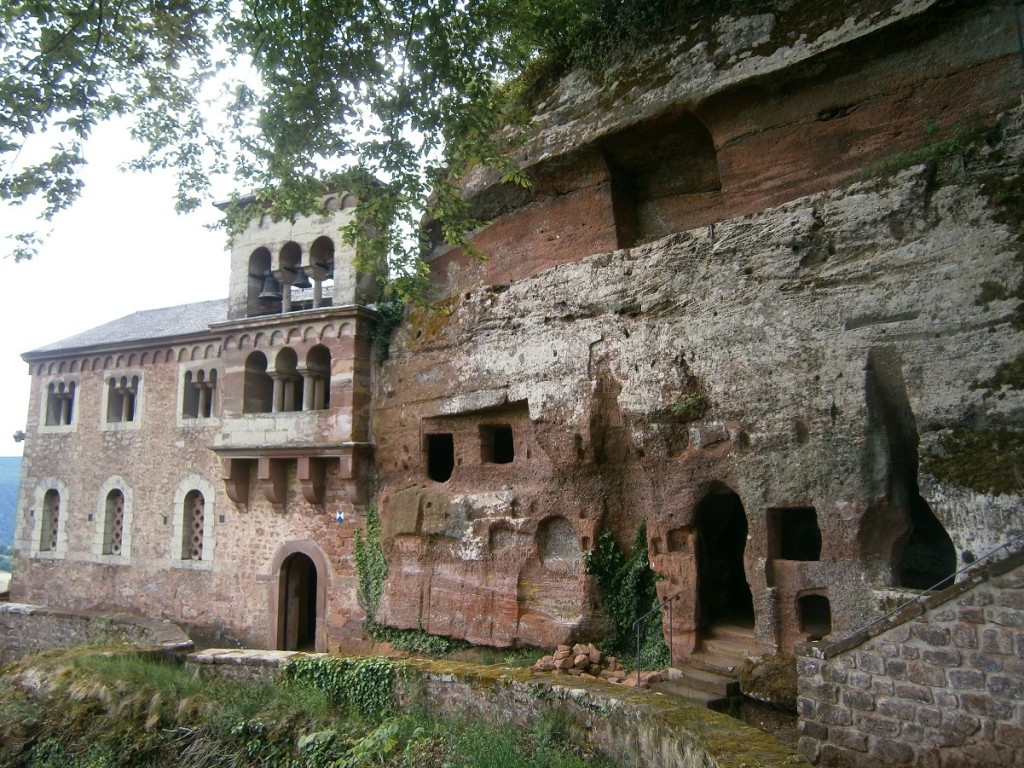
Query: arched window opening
815	616
287	383
60	403
50	522
656	169
197	394
290	272
440	449
264	294
317	385
321	259
724	593
929	557
297	613
193	521
113	523
258	387
122	394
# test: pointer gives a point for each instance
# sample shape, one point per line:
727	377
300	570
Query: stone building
698	316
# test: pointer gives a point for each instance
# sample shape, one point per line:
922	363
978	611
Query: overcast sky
120	249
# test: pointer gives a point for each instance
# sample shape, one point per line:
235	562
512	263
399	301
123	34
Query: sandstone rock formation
737	348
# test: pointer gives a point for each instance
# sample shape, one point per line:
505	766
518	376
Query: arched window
291	267
287	382
193	526
50	521
122	398
60	403
317	392
258	387
113	523
321	259
197	395
264	294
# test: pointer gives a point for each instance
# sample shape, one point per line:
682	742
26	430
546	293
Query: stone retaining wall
939	683
634	728
27	629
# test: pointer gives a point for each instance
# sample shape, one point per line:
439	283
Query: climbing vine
371	566
626	584
365	686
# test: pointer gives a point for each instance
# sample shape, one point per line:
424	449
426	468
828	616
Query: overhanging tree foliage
310	93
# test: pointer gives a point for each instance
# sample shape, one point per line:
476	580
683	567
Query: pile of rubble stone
589	663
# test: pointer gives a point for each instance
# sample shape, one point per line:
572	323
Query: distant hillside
10	475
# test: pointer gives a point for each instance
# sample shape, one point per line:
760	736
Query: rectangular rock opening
440	449
496	444
793	534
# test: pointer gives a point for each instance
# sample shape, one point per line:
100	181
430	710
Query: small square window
793	534
496	444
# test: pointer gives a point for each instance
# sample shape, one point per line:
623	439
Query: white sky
120	248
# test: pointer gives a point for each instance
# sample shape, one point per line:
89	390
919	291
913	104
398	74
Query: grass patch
91	709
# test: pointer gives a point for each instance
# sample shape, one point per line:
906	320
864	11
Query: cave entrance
297	630
721	579
929	556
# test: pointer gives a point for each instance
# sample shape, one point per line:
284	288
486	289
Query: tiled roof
182	320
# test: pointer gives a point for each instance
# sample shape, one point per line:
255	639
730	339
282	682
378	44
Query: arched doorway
298	602
928	557
724	595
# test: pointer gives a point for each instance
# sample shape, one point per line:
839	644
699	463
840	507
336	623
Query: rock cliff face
801	386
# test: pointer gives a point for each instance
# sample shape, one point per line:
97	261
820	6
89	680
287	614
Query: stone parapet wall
634	728
938	683
27	629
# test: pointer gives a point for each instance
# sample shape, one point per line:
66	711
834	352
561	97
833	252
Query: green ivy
371	566
626	584
364	685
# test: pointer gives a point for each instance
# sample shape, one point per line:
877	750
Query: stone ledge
628	724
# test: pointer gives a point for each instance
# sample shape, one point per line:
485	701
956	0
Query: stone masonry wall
27	629
938	684
634	728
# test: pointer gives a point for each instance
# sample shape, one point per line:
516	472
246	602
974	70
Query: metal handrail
938	585
640	622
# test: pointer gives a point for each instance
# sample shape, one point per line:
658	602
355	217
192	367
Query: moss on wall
988	460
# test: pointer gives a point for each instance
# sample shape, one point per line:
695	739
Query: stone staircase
709	675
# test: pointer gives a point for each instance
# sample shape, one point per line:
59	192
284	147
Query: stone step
735	632
682	691
720	665
703	680
729	648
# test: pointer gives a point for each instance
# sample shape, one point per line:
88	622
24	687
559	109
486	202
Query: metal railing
947	581
639	623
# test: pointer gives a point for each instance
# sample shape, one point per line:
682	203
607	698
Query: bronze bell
301	279
271	288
